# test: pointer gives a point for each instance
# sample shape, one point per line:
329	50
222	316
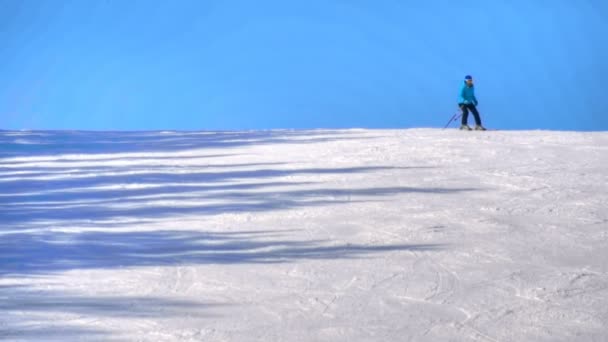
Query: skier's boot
480	128
465	128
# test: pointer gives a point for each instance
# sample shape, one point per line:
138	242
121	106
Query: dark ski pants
465	113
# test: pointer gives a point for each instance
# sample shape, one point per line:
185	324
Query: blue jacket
467	95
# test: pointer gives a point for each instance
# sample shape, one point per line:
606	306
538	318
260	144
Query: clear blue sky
207	64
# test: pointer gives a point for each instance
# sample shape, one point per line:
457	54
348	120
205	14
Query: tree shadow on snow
96	199
26	310
102	201
47	143
29	254
43	214
85	179
165	193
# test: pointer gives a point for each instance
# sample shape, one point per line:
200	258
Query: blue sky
206	64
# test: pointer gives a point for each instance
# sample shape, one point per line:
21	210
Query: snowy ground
352	235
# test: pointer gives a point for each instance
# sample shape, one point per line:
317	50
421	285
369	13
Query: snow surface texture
347	235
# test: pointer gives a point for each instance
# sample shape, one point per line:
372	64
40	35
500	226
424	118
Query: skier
467	101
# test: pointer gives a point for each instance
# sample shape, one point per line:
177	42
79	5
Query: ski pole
454	117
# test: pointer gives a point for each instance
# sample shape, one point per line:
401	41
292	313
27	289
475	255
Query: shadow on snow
49	252
47	143
99	198
25	313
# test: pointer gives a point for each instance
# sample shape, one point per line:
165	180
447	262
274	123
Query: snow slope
324	235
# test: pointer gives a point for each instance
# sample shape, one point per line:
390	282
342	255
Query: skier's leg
465	114
476	115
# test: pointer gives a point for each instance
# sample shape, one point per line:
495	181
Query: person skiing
468	102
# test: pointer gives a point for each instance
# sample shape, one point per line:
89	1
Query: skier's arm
461	99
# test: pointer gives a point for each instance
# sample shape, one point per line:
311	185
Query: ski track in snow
320	235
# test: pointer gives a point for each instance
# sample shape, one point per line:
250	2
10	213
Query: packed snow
304	235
